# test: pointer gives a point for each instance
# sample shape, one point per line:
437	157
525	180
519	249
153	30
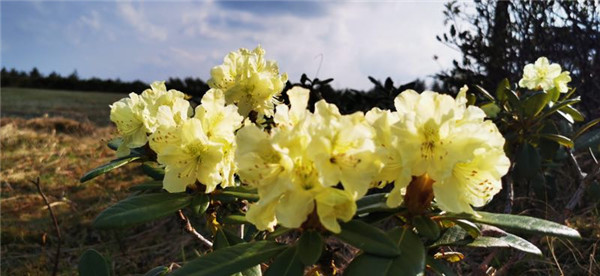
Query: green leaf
528	161
109	166
439	267
232	259
114	144
513	100
534	104
220	240
200	203
234	219
426	227
310	246
240	192
501	90
224	239
557	106
485	93
585	127
139	209
587	140
158	271
563	140
411	262
149	185
373	203
368	238
451	236
278	232
521	223
575	114
288	263
471	228
508	240
93	263
491	109
153	170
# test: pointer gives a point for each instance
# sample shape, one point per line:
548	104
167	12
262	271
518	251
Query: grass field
80	106
59	150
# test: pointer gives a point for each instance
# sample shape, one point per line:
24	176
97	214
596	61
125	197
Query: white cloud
93	20
137	19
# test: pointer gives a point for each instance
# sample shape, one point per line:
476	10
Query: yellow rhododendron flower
296	166
249	81
342	147
451	144
140	115
199	148
545	76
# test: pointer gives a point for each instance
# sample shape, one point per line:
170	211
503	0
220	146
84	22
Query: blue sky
156	40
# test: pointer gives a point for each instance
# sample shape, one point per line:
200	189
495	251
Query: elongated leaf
471	228
139	209
153	170
501	90
373	203
158	271
485	93
508	240
286	264
149	185
533	105
367	264
513	100
426	227
93	263
115	143
234	219
224	239
563	140
528	161
240	192
200	203
280	230
451	236
591	139
410	262
368	238
438	267
109	167
558	106
232	259
521	223
585	127
310	246
575	114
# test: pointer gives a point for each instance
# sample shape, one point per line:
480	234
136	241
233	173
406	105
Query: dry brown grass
60	151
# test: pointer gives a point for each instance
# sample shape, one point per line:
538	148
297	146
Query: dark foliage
498	39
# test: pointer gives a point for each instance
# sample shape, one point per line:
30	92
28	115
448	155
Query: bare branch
187	226
584	180
55	221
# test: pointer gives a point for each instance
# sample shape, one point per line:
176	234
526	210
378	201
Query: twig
56	228
584	180
187	226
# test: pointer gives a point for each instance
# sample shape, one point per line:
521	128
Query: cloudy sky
347	41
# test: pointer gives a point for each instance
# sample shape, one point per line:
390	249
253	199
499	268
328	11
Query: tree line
35	79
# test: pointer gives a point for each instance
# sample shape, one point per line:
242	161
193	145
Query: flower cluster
138	115
545	76
249	81
314	166
436	142
296	167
